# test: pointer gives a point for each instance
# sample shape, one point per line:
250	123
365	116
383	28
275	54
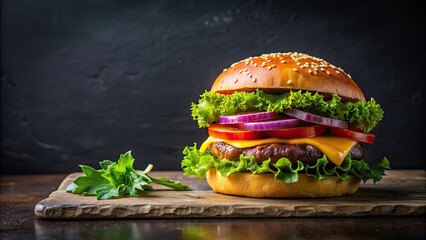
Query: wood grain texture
400	193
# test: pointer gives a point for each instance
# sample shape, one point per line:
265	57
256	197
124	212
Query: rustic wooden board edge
193	204
69	212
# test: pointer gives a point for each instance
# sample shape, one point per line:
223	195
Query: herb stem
147	170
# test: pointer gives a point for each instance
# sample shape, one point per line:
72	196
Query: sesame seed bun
266	186
278	72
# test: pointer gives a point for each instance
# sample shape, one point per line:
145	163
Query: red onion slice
271	125
309	117
248	117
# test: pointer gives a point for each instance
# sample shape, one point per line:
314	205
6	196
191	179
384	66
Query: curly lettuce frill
198	163
212	105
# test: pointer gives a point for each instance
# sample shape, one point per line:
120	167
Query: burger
284	125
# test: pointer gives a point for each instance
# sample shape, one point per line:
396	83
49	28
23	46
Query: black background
83	81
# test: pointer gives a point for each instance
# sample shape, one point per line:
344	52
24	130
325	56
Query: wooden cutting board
400	193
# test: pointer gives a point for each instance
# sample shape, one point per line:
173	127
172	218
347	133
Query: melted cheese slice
335	148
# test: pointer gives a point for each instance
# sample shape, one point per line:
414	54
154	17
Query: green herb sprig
118	179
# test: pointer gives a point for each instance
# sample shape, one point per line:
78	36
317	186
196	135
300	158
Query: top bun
278	72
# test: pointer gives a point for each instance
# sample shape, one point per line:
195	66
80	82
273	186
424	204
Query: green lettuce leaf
212	105
198	163
286	172
264	167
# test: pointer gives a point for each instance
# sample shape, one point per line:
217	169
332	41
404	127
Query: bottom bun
266	186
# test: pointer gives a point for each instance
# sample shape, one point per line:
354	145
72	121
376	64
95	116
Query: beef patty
305	153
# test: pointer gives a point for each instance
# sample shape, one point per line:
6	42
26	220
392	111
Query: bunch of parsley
118	179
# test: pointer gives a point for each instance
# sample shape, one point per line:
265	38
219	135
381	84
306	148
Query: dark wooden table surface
19	194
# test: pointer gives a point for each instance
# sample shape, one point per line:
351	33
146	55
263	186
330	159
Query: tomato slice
232	133
354	134
298	132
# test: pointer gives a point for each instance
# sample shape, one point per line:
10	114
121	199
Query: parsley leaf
118	179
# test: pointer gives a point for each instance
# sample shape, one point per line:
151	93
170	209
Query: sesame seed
289	82
313	64
221	81
224	70
236	80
